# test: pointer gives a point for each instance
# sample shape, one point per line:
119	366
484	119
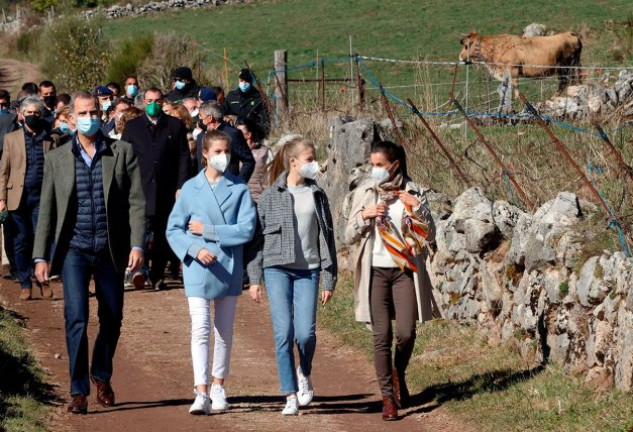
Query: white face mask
380	175
195	113
219	161
310	170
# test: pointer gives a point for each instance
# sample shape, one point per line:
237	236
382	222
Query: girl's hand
408	199
326	296
206	257
378	210
196	227
256	293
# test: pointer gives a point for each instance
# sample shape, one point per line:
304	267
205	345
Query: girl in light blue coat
213	217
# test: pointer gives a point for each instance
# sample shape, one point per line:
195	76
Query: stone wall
523	278
129	10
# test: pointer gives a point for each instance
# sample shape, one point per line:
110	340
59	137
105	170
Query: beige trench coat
361	234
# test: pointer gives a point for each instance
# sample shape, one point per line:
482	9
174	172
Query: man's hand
3	205
177	193
41	272
256	293
196	227
135	261
206	257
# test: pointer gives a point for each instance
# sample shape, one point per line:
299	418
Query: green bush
128	56
78	54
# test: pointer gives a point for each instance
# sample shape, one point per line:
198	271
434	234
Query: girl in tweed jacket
295	245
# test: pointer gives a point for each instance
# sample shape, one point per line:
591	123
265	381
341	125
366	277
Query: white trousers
224	315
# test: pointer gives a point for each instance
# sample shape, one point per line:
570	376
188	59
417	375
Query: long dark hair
393	152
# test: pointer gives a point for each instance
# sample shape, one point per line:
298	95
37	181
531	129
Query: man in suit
8	123
160	143
21	176
211	117
91	224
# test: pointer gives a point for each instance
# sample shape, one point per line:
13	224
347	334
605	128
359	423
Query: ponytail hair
281	162
393	152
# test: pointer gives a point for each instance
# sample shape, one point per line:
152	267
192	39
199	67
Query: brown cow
531	57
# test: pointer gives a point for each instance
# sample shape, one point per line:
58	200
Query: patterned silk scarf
410	241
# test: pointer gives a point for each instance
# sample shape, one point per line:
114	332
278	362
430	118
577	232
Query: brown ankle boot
389	409
396	387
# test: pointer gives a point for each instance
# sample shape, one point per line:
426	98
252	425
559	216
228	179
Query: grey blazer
274	240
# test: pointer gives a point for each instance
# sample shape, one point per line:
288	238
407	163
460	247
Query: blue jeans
77	269
292	295
25	223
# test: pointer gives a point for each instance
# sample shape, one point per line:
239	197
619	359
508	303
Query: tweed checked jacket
274	241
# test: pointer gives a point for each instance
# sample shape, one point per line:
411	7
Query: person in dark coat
8	123
211	115
160	143
184	86
245	102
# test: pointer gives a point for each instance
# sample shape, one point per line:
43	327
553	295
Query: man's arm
47	217
5	171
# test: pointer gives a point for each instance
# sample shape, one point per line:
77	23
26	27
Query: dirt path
14	73
153	377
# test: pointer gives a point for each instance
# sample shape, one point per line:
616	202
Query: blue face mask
244	87
88	126
4	111
105	105
180	85
132	90
63	127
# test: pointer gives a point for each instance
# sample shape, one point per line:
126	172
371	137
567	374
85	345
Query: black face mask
34	123
202	126
50	101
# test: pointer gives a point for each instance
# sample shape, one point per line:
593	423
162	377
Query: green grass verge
23	393
490	388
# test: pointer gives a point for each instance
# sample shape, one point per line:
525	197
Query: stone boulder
535	29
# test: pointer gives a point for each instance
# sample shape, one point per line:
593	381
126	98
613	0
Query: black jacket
240	152
163	157
190	91
248	105
8	123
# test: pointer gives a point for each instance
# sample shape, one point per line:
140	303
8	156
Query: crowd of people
119	184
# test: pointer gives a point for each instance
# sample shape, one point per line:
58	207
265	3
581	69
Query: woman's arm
176	232
357	226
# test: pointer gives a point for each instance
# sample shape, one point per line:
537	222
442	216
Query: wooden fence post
281	83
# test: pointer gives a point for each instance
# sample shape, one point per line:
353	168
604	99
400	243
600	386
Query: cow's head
468	48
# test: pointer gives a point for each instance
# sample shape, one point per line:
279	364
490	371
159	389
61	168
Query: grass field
491	388
23	392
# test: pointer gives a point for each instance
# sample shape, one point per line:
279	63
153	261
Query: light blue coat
229	216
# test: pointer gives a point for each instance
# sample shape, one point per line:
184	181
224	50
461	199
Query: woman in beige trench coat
383	289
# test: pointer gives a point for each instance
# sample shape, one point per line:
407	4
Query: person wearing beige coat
404	295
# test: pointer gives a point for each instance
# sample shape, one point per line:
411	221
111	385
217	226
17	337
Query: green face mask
153	109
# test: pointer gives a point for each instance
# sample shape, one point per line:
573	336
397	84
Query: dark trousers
77	270
159	252
392	291
8	234
25	223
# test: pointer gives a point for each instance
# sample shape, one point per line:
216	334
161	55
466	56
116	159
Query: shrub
78	54
128	56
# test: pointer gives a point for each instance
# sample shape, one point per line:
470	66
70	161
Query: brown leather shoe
105	394
25	294
46	291
389	409
400	389
78	404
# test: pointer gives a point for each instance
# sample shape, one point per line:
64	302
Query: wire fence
473	91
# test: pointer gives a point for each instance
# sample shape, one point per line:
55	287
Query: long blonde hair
281	162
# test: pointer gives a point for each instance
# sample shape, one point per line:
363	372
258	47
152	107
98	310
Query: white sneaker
218	398
202	404
305	393
292	407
